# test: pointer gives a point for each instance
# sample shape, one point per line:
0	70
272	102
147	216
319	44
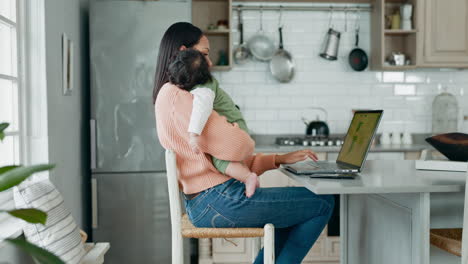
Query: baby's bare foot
251	183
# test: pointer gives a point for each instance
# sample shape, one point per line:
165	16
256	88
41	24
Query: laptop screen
359	137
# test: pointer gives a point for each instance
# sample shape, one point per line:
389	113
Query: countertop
386	176
377	148
267	144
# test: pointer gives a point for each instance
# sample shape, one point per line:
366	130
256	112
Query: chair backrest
173	186
175	208
464	252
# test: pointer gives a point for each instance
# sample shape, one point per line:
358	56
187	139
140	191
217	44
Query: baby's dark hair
189	69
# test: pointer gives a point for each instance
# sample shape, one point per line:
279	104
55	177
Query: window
10	88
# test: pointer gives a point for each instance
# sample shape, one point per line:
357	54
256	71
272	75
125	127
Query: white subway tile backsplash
266	115
405	89
271	107
415	77
393	77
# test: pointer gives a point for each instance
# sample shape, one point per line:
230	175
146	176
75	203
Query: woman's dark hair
188	69
177	35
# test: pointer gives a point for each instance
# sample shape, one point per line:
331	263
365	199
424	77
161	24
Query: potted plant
11	176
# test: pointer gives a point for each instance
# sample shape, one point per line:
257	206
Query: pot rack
348	8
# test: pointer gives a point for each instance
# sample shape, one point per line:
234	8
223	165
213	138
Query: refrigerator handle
94	204
92	126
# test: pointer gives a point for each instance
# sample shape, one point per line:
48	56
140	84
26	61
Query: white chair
454	240
182	227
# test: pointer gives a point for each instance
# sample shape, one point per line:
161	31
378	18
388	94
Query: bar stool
182	227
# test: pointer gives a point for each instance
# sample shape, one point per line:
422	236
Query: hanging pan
241	53
281	65
260	45
358	59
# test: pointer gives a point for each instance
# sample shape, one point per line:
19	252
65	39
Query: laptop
353	152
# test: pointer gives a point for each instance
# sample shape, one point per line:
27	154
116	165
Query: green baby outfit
224	106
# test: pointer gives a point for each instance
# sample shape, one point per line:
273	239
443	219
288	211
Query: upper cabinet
434	35
445	38
394	34
214	18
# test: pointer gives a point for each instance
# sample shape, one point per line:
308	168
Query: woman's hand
293	157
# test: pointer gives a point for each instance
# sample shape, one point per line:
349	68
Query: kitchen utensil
332	41
281	65
261	46
242	52
406	11
358	59
385	138
396	20
453	145
397	58
444	113
407	139
396	138
317	127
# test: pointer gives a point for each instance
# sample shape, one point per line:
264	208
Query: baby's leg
240	172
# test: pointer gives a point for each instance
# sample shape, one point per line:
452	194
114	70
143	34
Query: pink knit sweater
219	138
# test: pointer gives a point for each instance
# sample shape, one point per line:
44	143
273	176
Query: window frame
32	102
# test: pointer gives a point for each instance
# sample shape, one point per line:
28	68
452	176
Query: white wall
273	108
67	115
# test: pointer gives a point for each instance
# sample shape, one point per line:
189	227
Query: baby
190	71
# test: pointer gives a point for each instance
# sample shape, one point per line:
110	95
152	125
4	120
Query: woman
214	199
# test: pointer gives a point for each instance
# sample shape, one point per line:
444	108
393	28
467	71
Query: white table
388	210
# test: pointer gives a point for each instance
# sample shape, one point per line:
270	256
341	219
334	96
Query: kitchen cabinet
386	41
445	35
438	37
206	14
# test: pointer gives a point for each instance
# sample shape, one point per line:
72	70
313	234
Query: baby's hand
194	141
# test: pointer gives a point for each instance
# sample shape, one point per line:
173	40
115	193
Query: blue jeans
298	215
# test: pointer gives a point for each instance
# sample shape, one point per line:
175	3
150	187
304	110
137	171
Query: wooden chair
182	227
451	240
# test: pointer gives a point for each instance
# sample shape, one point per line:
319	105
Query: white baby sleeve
203	99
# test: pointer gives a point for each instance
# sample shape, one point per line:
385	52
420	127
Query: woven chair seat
447	239
189	230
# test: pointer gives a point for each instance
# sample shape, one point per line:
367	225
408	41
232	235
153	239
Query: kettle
317	127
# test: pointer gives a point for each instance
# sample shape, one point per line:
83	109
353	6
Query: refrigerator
130	206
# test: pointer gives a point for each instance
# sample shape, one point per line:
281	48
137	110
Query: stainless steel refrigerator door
125	38
131	211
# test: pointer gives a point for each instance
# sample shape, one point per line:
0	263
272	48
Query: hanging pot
332	41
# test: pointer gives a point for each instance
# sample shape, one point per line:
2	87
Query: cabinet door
446	33
232	250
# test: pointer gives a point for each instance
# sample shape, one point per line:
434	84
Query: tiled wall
274	108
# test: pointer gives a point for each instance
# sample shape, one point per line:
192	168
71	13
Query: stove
309	141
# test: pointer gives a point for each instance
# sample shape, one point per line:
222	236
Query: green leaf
3	126
41	255
30	215
7	168
17	175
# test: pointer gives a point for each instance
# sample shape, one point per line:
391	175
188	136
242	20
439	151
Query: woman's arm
260	163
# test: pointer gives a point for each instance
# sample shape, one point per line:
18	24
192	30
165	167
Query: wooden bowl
454	146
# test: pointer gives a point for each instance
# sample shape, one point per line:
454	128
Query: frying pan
260	45
281	65
241	53
358	59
